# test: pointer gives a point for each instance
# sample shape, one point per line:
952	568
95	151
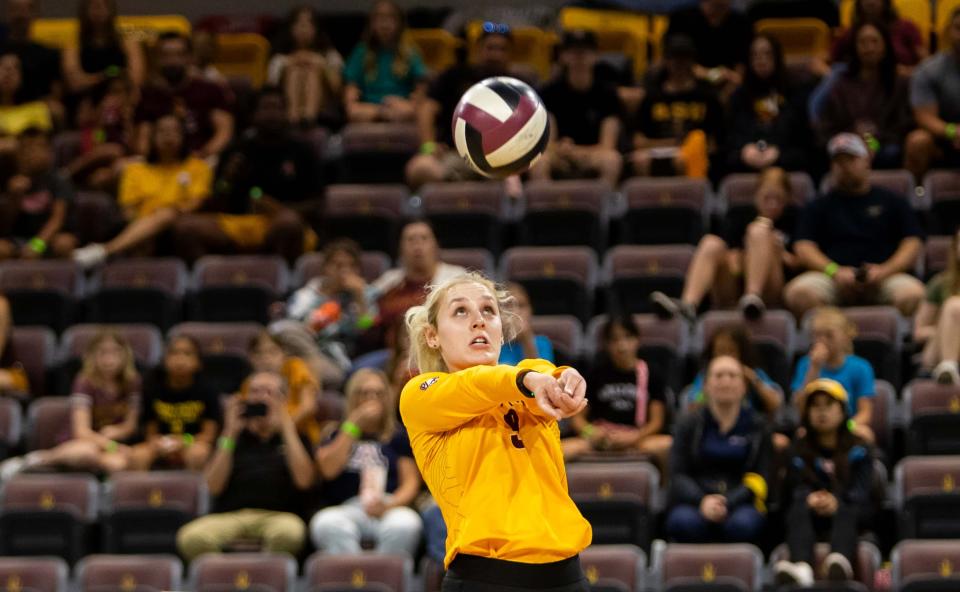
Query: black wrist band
521	387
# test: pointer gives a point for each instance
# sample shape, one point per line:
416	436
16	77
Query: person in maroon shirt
204	106
908	45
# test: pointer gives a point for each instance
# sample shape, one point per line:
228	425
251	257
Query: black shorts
469	573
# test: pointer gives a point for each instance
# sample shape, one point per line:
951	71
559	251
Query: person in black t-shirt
678	120
859	242
722	37
584	117
754	246
180	415
620	382
258	476
438	160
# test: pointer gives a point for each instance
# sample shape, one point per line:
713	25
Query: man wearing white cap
858	241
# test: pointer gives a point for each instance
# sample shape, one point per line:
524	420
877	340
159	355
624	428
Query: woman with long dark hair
101	51
907	43
830	475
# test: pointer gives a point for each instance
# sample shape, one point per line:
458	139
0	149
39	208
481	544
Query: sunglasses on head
499	28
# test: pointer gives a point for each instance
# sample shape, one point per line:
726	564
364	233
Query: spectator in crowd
13	377
906	42
264	181
831	356
766	118
308	69
420	266
34	209
101	52
527	345
326	316
17	114
370	477
400	368
937	324
720	464
205	48
41	63
935	98
830	477
627	409
584	117
155	193
754	249
180	414
105	122
721	36
763	394
267	355
385	75
678	120
257	476
179	90
858	242
438	160
105	406
870	99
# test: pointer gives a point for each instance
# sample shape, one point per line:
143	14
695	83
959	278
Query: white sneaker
799	573
947	372
837	568
90	256
11	467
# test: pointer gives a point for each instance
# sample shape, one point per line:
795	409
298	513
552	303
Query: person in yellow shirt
486	440
153	194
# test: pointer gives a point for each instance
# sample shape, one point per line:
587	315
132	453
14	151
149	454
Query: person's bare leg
609	163
918	151
541	171
423	169
140	230
77	454
707	259
760	256
195	235
285	236
292	85
948	330
8	250
312	92
62	245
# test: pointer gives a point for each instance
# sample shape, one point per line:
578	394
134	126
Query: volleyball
500	127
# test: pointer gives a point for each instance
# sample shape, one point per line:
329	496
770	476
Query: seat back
680	563
565	333
618	564
933	418
117	573
265	572
615	498
664	210
35	348
48	422
560	280
34	574
633	272
927	498
924	564
393	572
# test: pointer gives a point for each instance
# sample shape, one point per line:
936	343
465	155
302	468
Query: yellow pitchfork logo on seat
948	483
946	568
156	498
605	491
13	583
242	581
358	579
128	583
47	501
709	572
955	404
592	574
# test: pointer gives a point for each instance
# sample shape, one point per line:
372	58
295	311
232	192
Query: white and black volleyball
500	127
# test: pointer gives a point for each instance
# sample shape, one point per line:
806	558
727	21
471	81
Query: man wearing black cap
584	117
858	242
679	118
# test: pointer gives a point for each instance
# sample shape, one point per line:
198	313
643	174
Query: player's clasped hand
558	397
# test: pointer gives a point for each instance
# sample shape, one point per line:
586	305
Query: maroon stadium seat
237	288
96	216
11	422
560	213
260	572
135	573
330	406
739	188
466	214
470	259
614	564
932	415
433	573
145	341
865	567
36	349
224	350
926	497
42	292
560	280
565	333
663	210
937	254
34	574
369	214
881	419
734	562
942	189
633	272
377	152
139	290
926	565
310	265
663	343
365	571
616	497
48	422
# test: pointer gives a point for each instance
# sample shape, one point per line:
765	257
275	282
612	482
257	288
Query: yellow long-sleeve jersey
494	464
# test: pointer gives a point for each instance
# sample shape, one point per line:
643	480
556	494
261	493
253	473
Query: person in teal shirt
527	344
385	74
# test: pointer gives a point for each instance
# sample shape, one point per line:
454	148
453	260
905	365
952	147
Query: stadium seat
48	422
942	189
467	214
42	292
96	216
377	152
926	566
237	288
932	415
36	349
144	510
364	572
868	560
632	272
773	336
34	574
437	47
740	188
145	341
616	498
433	573
139	291
881	419
614	565
133	573
369	214
560	213
47	515
243	55
471	259
310	265
257	572
926	497
224	350
663	344
936	254
734	566
663	211
329	406
802	38
560	280
565	333
11	423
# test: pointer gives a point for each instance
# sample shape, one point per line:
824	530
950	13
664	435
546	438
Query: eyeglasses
499	28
